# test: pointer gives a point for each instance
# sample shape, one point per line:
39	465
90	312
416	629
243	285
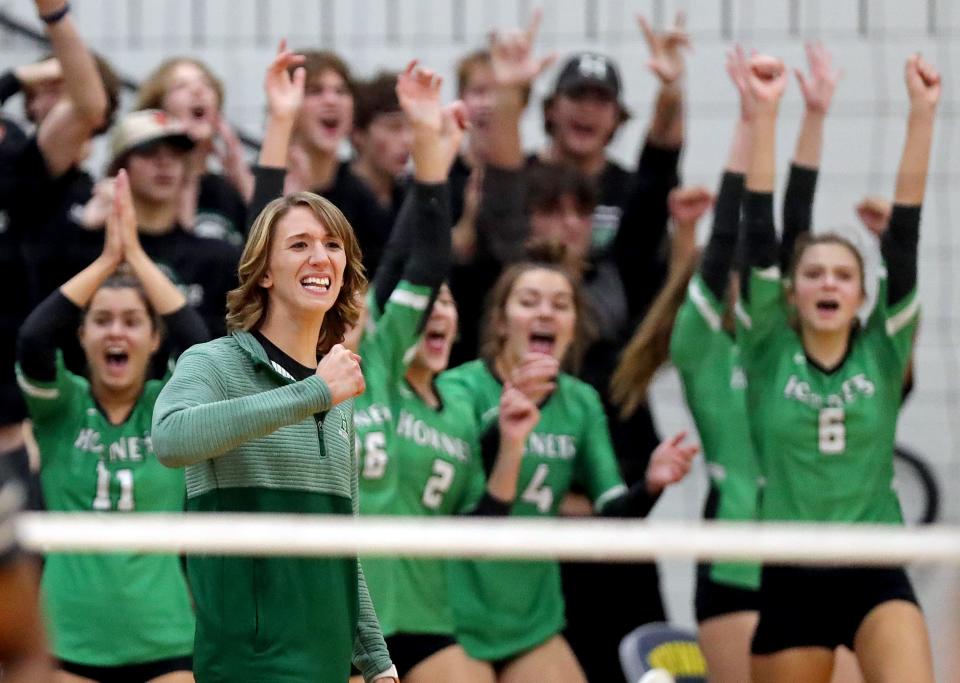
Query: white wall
869	38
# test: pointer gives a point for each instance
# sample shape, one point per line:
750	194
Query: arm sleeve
634	502
759	236
370	654
719	254
643	227
502	225
897	310
9	86
491	506
797	210
267	186
40	333
193	420
418	250
899	250
185	328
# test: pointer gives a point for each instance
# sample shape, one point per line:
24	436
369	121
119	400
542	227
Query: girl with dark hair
823	396
121	616
511	614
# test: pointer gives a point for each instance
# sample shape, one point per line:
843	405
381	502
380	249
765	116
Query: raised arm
75	118
419	248
184	325
767	80
502	221
718	257
667	63
899	243
817	87
283	85
61	310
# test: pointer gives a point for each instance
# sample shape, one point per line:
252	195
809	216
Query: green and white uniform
715	386
386	349
504	608
117	608
825	439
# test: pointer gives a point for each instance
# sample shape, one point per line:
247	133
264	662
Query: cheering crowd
442	324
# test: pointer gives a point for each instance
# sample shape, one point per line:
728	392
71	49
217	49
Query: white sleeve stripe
772	273
34	391
897	322
702	304
410	299
743	316
609	495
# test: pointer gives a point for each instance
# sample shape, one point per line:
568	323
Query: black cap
589	70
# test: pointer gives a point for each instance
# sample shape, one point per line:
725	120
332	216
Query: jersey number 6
833	431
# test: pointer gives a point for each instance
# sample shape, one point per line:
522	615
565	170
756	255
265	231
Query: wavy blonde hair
247	304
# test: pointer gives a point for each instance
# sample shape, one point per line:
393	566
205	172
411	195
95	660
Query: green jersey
503	608
825	439
715	386
386	349
117	608
439	472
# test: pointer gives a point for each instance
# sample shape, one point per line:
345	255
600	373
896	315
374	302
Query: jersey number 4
537	491
833	431
124	478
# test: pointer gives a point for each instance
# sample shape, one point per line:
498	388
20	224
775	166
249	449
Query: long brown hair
247	304
649	348
155	87
541	255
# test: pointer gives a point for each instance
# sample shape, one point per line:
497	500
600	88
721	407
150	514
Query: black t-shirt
221	211
204	269
371	221
44	232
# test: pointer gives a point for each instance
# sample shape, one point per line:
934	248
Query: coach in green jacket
262	427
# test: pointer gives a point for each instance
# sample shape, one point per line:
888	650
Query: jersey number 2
438	484
124	478
833	431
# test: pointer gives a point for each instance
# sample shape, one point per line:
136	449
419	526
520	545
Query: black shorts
822	607
129	673
409	649
715	599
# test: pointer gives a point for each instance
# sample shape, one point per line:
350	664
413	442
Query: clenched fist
340	369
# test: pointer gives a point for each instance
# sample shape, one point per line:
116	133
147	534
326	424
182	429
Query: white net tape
576	539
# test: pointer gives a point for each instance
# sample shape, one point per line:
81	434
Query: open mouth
117	360
435	341
199	112
828	306
542	342
317	285
330	124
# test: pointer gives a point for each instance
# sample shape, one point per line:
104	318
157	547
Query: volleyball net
608	540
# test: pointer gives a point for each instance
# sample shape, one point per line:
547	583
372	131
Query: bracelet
54	17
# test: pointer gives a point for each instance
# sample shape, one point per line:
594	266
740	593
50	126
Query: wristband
54	17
